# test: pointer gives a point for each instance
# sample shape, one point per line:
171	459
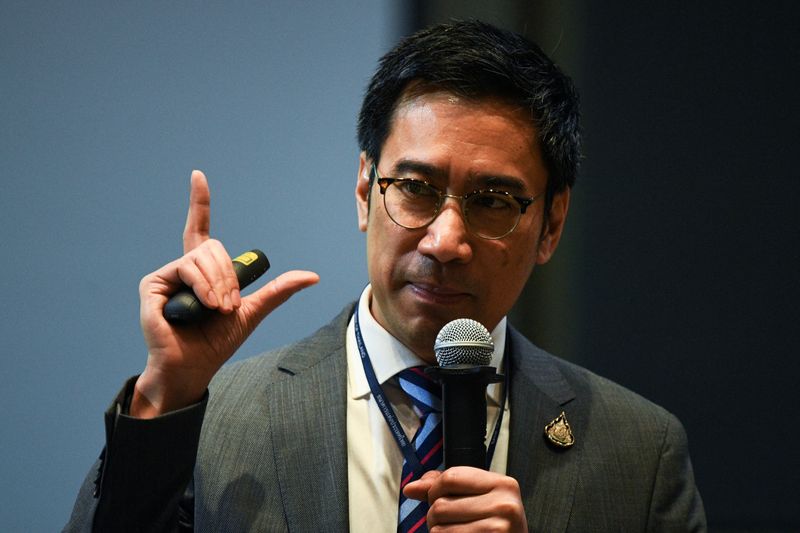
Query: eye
491	201
414	188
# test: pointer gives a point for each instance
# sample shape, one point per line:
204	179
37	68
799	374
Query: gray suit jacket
272	454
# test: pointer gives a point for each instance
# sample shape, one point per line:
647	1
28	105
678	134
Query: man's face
423	278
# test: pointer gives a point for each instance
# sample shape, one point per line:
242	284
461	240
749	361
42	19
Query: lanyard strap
406	448
506	383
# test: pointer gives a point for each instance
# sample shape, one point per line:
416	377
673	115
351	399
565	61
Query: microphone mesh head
463	342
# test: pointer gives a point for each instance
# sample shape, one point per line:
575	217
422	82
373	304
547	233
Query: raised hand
182	359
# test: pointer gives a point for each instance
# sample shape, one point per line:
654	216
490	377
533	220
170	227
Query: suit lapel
547	475
308	414
308	420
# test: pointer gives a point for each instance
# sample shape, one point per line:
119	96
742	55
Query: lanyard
406	447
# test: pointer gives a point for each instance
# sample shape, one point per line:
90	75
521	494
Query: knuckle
511	484
507	507
449	477
497	525
216	243
187	263
437	508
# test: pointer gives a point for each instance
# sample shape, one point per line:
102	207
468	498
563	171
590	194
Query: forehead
465	138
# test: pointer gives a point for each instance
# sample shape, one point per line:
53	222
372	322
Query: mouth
434	293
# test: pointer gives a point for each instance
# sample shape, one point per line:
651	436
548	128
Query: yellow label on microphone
247	258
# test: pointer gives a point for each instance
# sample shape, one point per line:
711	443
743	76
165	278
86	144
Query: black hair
476	60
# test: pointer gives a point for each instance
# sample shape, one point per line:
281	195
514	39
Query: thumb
418	490
273	294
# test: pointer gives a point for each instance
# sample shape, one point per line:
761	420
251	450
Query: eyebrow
410	166
481	181
505	183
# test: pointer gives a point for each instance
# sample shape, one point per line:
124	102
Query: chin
417	333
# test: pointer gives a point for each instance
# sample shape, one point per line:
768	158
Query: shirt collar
394	355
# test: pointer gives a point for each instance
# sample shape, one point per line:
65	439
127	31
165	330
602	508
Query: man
470	146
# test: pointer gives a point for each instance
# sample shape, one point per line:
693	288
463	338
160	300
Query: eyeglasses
414	204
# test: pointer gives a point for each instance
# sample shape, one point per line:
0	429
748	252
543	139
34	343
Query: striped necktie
426	396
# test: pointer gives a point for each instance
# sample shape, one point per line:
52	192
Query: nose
447	237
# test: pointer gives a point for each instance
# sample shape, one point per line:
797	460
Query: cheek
514	262
526	245
387	244
515	254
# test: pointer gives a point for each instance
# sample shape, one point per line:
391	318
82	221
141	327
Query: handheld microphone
464	350
184	308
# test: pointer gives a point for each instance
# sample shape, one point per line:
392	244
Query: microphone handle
464	412
184	308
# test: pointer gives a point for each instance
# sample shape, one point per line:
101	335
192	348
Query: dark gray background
676	276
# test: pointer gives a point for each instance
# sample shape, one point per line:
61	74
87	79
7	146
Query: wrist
154	394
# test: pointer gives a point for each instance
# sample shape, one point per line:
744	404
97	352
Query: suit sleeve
141	482
676	504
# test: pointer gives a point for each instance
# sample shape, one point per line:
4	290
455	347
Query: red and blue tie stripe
426	396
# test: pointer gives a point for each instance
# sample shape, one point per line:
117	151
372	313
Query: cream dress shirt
374	461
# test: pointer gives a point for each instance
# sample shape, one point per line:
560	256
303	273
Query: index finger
198	219
464	481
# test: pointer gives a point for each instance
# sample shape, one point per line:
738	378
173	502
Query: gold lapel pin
559	433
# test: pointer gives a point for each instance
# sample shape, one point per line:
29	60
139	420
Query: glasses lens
411	204
492	215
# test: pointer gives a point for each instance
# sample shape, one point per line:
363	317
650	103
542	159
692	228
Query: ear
554	227
362	191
